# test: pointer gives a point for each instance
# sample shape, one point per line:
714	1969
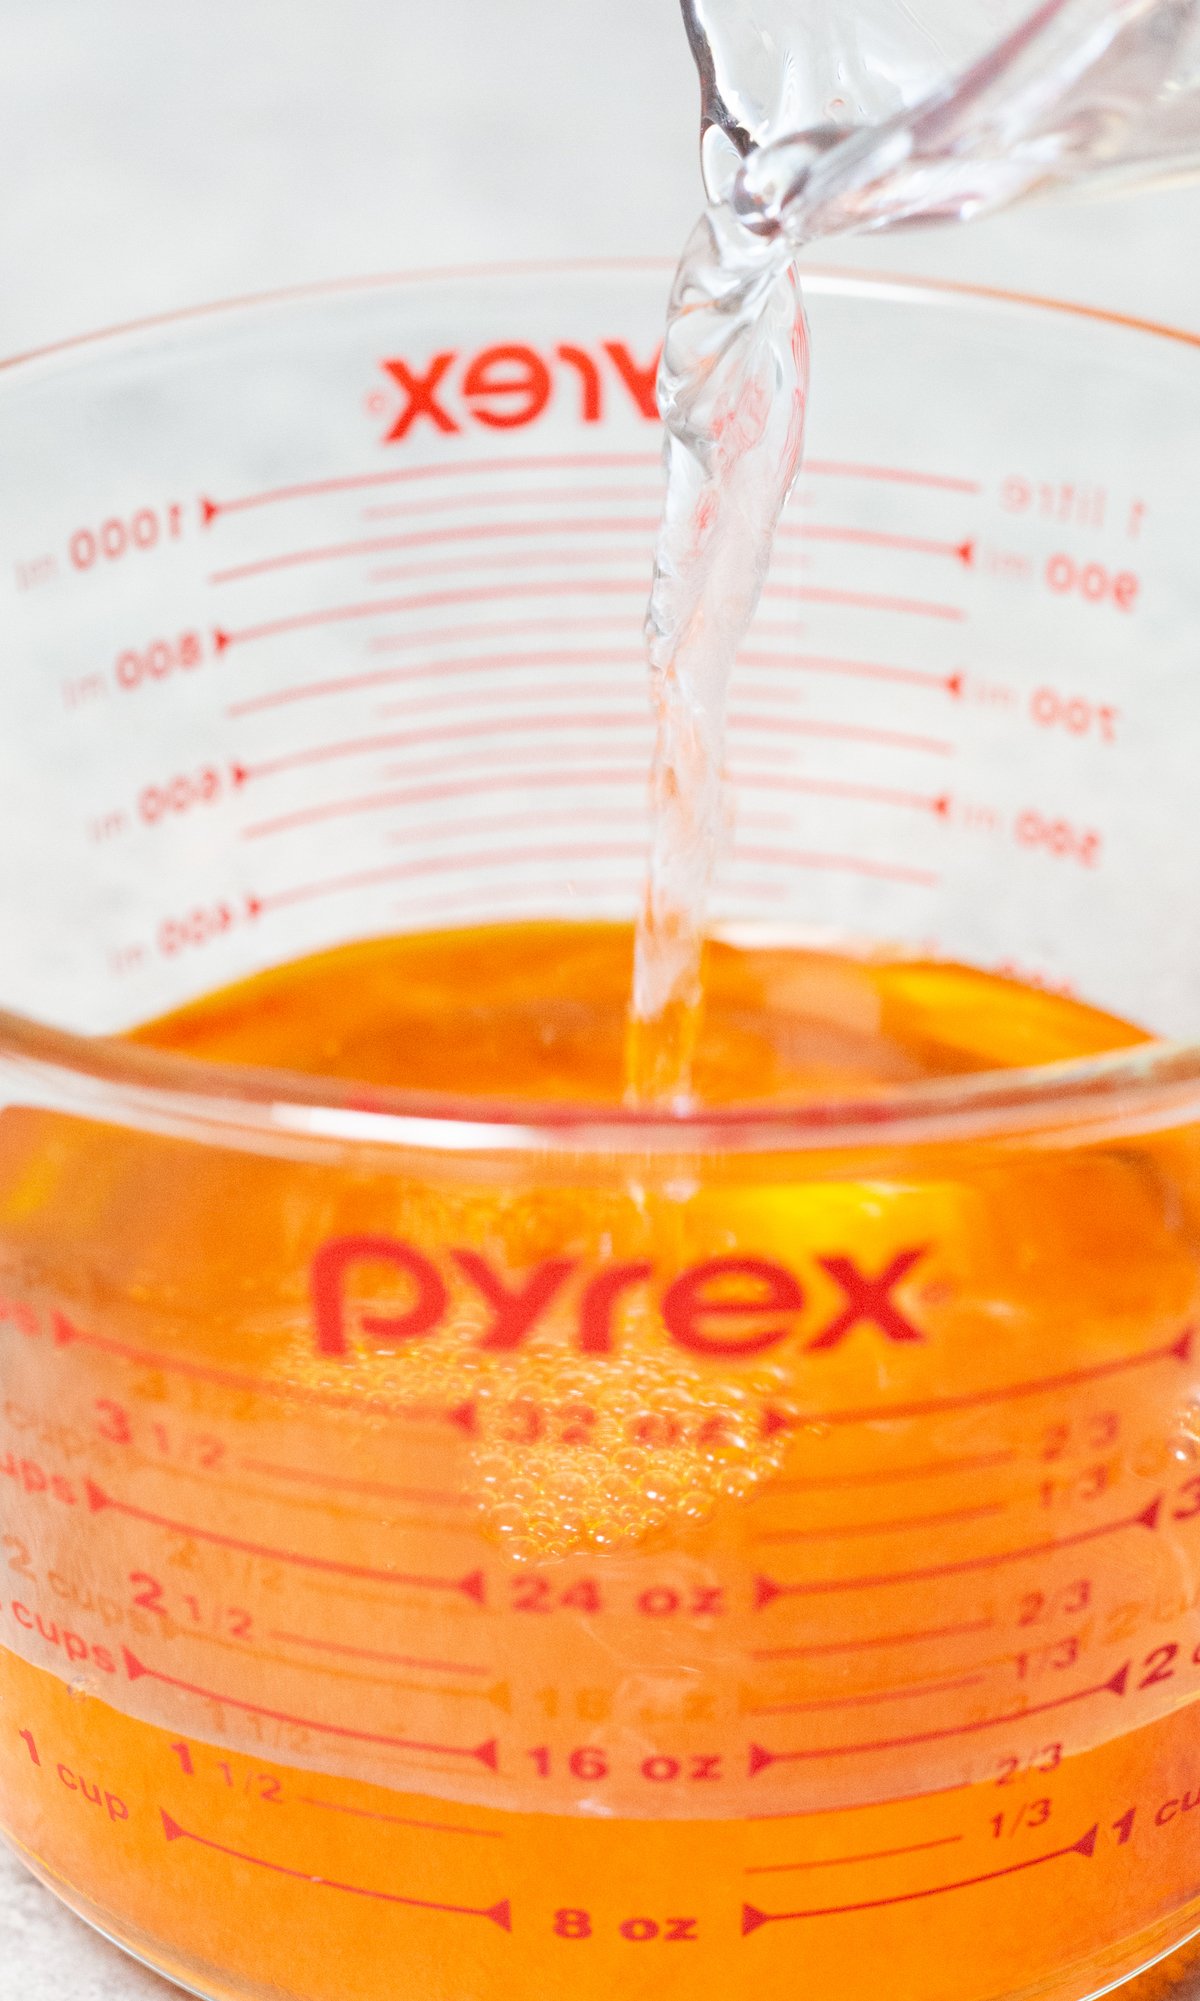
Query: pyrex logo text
725	1307
506	386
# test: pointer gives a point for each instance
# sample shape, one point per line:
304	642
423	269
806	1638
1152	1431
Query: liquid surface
537	1011
476	1577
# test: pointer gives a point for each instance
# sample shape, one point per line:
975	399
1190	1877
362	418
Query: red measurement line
484	1754
841	865
766	1589
867	1645
521	781
430	601
900	475
66	1332
844	1861
865	601
438	864
871	538
456	635
517	496
1178	1350
833	788
935	1468
432	538
479	562
863	1806
845	733
340	1482
501	628
772	725
971	1514
570	693
371	1654
452	469
471	1586
326	753
558	776
759	1757
856	670
752	1918
555	659
908	1692
500	1914
402	1820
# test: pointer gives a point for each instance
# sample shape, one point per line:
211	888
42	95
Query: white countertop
156	156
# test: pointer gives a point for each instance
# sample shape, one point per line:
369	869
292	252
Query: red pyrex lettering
724	1307
506	386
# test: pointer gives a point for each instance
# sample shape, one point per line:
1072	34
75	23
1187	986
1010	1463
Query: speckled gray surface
155	156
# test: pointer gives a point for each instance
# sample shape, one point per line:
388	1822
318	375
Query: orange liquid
500	1574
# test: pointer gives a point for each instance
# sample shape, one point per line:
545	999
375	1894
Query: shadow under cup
868	1641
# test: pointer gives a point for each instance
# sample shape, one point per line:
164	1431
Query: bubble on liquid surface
570	1453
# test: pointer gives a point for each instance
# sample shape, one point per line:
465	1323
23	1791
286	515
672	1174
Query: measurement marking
901	475
865	601
842	865
484	1754
516	496
597	813
434	538
845	733
571	719
934	1468
500	1914
1178	1350
759	1757
557	775
859	670
434	865
464	469
370	1654
471	1586
833	788
767	1589
445	636
844	1861
972	1514
905	1693
403	1820
865	1645
66	1332
554	658
872	538
864	1806
753	1918
425	1496
430	601
402	739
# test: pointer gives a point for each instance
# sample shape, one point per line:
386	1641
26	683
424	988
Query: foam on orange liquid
695	1665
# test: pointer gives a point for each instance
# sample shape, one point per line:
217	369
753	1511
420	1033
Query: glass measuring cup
870	1646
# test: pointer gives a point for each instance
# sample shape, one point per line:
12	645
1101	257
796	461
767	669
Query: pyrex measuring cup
475	1550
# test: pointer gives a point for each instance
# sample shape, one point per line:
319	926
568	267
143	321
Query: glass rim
1142	1086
